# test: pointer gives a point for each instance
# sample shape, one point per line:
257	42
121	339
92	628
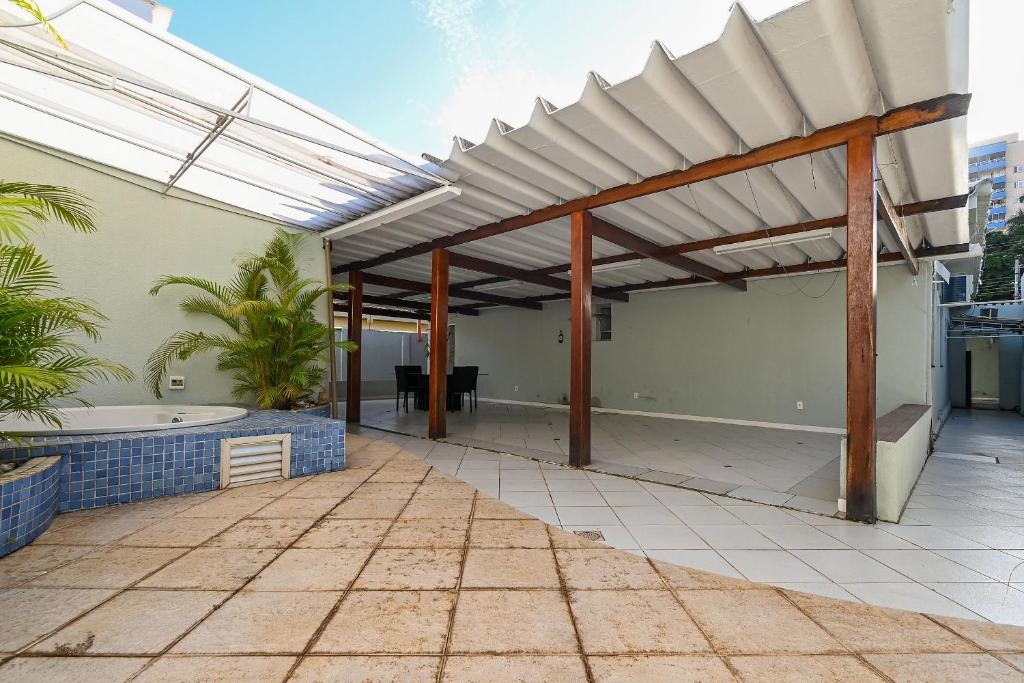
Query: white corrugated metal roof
136	98
816	64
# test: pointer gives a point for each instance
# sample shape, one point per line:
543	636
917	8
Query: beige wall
715	352
141	236
984	367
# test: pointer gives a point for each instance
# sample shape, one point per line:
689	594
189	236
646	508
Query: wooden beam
893	222
910	116
456	291
580	332
411	305
354	378
492	267
437	428
929	205
774	271
926	206
645	247
403	315
861	297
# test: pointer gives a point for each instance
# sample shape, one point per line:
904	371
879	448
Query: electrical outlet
515	388
176	382
799	405
636	394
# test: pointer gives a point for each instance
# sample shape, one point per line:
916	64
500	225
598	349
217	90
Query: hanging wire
791	277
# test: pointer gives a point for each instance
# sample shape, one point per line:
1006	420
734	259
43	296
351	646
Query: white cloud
501	57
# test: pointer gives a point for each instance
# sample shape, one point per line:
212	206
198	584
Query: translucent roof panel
813	65
136	98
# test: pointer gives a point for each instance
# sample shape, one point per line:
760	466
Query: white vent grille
254	459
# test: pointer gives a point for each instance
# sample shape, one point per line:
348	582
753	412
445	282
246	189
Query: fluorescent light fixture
604	267
781	240
403	209
490	287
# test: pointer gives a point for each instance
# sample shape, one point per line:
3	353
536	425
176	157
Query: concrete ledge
904	437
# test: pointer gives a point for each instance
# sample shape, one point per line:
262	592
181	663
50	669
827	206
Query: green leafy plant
40	361
274	345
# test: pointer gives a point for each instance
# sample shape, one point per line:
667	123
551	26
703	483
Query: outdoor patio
798	469
393	570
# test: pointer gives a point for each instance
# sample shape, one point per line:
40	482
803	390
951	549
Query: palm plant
39	361
273	345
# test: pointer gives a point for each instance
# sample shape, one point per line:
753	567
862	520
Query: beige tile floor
412	575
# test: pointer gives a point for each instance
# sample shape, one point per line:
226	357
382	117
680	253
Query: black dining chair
464	382
407	379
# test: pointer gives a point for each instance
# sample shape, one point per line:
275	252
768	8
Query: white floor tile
866	537
570	485
849	566
704	560
526	498
926	566
587	516
771	566
799	536
640	497
909	596
733	537
995	601
545	513
930	537
645	514
666	537
577	498
704	514
994	564
762	514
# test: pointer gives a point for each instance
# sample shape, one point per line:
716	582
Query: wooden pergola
868	204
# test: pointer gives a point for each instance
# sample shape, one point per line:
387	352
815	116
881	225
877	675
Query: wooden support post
579	374
438	344
353	387
861	284
332	359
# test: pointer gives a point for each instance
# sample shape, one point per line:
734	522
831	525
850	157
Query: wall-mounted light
561	337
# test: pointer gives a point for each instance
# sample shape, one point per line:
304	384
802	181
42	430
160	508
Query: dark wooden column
581	331
861	293
438	344
353	392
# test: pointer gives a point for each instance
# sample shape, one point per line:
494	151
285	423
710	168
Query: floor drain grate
590	535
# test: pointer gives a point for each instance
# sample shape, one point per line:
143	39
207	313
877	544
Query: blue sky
415	72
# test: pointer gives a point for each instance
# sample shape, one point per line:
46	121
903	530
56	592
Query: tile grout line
668	586
318	632
446	646
281	551
564	591
22	652
863	660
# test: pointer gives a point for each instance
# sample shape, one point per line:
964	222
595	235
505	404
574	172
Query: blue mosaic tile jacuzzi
97	470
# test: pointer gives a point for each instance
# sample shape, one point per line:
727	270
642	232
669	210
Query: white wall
713	351
141	236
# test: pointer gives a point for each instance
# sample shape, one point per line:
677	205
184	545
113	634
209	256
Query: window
1018	183
1019	168
990	313
603	322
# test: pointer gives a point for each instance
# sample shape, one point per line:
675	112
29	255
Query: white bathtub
113	419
